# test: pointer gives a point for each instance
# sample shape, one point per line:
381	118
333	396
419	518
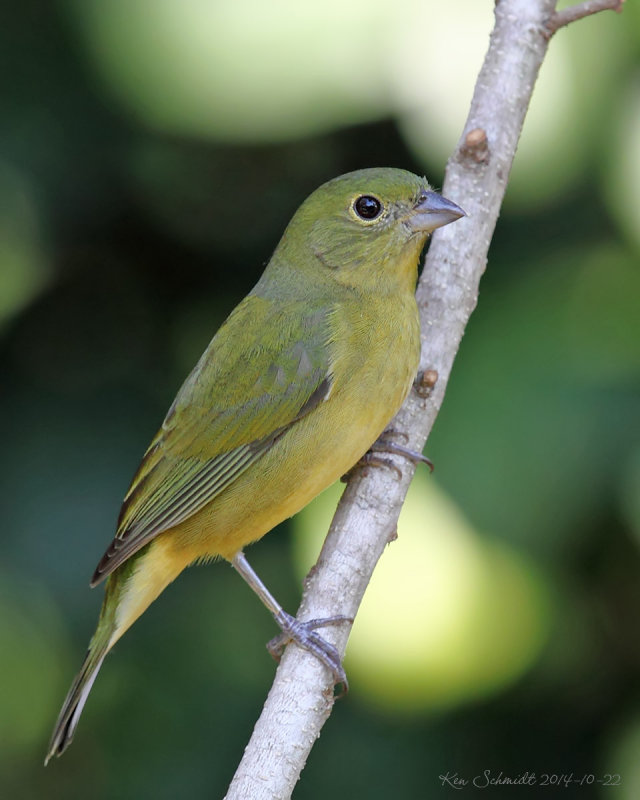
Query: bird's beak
433	211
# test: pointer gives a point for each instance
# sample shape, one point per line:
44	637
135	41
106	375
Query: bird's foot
305	635
385	444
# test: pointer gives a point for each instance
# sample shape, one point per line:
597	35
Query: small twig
561	18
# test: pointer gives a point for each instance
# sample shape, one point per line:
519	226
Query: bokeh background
151	153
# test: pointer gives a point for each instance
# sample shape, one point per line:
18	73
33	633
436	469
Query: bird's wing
246	391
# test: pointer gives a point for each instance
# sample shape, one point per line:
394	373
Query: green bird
296	385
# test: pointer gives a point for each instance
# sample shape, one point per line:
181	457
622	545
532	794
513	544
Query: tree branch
301	697
561	18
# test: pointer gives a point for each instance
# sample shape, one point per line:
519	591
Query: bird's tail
76	698
128	593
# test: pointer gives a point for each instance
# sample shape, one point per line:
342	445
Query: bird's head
366	228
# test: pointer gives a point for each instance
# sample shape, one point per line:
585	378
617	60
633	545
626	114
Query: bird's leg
302	633
384	444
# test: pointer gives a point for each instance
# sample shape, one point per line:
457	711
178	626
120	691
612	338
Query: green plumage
296	385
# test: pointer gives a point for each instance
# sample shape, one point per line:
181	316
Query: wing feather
237	401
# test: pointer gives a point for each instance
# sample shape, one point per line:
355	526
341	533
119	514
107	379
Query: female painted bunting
296	385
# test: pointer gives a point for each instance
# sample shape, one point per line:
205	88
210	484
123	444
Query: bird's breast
374	353
376	359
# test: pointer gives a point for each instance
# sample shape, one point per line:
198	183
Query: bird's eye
367	207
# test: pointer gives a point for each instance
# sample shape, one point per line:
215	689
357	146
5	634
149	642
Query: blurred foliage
151	153
448	617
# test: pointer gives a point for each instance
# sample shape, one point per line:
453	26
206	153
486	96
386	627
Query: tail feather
74	703
128	593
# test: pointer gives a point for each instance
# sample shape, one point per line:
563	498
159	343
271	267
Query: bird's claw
305	635
393	447
370	459
383	444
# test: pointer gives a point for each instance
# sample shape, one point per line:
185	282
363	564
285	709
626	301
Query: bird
296	385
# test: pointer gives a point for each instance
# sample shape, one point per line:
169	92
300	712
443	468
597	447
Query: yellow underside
310	456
